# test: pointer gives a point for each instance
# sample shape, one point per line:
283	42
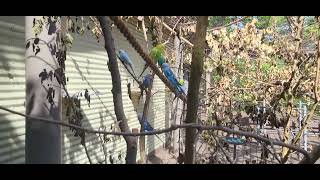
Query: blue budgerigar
126	60
147	80
171	77
146	125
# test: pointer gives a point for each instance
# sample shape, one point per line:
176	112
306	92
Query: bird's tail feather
144	69
133	71
159	138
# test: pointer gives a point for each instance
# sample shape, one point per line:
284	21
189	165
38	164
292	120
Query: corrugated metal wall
12	89
86	68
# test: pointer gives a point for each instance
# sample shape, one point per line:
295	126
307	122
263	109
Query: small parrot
156	55
146	125
161	60
147	80
172	78
125	59
145	84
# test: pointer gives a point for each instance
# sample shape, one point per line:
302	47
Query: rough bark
314	156
116	89
315	153
297	34
194	84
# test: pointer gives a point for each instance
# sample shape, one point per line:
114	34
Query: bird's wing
170	75
127	59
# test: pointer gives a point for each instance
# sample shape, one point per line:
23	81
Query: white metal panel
12	89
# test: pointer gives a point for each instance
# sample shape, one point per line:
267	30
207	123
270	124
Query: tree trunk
314	156
43	96
315	153
297	34
194	84
116	90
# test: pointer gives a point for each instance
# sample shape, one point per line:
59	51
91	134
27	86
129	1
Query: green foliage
262	21
311	29
280	63
266	67
240	65
244	97
215	21
216	78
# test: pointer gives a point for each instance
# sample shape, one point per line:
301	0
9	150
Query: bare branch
223	151
174	27
116	89
161	131
234	22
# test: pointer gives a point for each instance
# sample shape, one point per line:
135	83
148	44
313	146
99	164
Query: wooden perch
172	128
132	40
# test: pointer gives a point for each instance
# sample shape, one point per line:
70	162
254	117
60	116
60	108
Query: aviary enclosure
160	89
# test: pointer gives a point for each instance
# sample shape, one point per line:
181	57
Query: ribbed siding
87	69
12	89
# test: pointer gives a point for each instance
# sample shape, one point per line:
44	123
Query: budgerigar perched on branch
147	80
146	125
172	78
125	59
145	83
156	55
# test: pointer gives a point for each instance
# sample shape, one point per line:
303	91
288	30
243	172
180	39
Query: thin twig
275	153
234	22
174	27
223	151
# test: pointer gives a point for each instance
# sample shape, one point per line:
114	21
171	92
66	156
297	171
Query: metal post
264	111
300	114
305	133
234	151
258	126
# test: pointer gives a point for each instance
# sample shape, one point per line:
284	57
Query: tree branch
223	151
234	22
116	89
132	40
194	85
161	131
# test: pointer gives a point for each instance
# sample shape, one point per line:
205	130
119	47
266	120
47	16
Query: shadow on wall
92	88
11	143
94	141
5	64
11	146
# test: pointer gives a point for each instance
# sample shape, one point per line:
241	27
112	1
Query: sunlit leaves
68	39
